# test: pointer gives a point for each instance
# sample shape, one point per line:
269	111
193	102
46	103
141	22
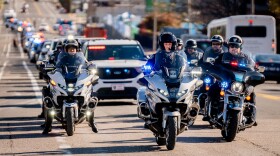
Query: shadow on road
114	103
201	139
18	97
22	127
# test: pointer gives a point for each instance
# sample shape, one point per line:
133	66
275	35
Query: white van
257	31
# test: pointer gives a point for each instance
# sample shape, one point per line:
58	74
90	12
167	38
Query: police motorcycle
71	100
166	104
234	109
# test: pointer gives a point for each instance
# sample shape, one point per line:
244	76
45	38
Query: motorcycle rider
168	49
179	44
215	49
234	53
191	50
71	57
53	59
152	59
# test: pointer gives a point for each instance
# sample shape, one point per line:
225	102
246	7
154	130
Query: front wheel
232	127
48	121
70	126
171	132
161	141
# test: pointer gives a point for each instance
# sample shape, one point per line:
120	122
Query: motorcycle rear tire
171	132
232	126
70	125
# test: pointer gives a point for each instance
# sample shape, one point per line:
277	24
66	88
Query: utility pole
253	7
189	15
155	25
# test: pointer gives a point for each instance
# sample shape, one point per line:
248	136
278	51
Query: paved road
121	132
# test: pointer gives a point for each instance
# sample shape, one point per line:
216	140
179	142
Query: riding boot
45	93
94	127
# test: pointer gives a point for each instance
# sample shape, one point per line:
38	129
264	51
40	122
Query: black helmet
179	42
235	40
190	43
70	43
166	37
217	38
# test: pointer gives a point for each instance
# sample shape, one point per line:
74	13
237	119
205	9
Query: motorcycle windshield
72	66
173	70
237	63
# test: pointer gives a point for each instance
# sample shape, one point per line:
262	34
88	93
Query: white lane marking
8	50
34	83
4	49
2	69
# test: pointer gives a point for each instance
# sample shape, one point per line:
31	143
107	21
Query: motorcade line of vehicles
116	68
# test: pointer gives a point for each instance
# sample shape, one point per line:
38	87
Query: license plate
117	87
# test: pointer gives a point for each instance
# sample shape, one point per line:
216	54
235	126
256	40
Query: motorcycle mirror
39	63
194	61
92	69
196	72
261	69
49	67
210	60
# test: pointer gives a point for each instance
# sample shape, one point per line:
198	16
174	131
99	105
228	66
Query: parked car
119	65
9	13
271	62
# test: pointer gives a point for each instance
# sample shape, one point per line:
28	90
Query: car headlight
237	87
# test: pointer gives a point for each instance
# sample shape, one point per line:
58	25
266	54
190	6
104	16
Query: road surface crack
259	146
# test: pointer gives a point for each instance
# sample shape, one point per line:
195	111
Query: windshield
235	62
115	52
173	70
268	58
71	65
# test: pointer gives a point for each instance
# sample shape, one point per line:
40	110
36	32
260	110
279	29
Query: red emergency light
251	21
98	47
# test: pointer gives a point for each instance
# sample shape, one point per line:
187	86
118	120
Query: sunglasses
216	43
234	46
191	48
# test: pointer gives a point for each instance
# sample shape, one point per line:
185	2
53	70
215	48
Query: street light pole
155	26
253	7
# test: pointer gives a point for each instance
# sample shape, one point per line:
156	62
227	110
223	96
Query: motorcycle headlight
163	92
70	89
182	93
237	87
70	85
93	71
224	84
